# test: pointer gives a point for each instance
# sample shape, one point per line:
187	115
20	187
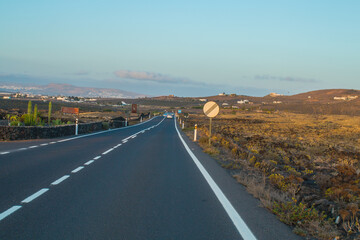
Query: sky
185	48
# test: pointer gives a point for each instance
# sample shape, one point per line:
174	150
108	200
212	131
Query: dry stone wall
9	133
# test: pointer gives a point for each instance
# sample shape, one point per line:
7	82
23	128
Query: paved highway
146	181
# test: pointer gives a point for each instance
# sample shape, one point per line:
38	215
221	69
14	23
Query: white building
243	101
346	98
275	94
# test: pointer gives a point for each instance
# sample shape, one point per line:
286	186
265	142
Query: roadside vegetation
34	118
303	167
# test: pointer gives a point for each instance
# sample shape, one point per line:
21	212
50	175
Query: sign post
211	110
195	132
134	108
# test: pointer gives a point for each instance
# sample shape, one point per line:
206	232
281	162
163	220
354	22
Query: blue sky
186	48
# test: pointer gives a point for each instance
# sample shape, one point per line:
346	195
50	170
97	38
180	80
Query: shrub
292	213
278	181
105	125
56	122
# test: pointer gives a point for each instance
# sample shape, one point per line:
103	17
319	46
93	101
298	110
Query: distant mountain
54	89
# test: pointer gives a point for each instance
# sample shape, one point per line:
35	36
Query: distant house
277	102
222	94
225	104
275	94
235	107
233	95
203	100
346	98
60	98
243	101
6	97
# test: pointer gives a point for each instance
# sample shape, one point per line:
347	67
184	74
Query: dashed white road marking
106	152
60	180
9	211
89	162
91	134
77	169
56	182
35	195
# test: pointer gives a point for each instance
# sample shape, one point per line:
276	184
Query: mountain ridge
65	89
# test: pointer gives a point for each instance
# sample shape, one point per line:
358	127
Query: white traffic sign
211	109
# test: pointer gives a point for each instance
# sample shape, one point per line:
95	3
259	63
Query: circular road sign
211	109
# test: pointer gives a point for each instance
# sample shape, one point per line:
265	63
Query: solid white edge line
239	223
8	212
56	182
77	169
35	195
89	162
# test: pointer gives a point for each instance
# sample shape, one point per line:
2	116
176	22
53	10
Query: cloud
79	73
286	79
154	77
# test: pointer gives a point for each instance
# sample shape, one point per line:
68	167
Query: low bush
105	125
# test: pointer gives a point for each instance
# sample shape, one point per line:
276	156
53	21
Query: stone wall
8	133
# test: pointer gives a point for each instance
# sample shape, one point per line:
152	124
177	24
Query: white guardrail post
76	126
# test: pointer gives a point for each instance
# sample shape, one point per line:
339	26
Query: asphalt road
140	182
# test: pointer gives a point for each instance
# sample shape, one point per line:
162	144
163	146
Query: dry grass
312	159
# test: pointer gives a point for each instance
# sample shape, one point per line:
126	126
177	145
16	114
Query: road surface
146	181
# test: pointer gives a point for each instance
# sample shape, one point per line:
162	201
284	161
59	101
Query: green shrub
56	122
105	125
49	113
292	213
